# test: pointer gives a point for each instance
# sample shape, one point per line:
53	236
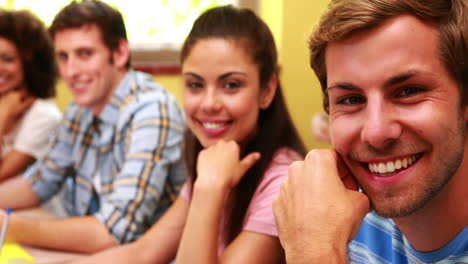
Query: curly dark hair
29	35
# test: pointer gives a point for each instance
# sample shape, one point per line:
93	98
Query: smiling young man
118	150
395	78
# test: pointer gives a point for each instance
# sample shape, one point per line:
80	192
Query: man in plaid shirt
118	151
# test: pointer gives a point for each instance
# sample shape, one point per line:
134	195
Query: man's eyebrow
397	79
344	86
400	78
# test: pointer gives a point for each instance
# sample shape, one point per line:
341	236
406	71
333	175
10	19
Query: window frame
161	60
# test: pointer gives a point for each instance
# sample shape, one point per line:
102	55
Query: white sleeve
37	127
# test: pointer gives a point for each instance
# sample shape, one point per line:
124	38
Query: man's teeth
79	86
391	166
213	125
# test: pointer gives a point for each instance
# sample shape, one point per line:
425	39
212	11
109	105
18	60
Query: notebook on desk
13	253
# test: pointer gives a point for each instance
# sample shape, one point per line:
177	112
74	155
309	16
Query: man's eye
351	100
7	58
410	91
85	53
61	57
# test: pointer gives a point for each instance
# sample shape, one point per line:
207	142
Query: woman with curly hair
28	75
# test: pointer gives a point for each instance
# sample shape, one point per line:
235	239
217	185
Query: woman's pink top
259	217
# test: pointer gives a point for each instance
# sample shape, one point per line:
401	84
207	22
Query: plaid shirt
135	145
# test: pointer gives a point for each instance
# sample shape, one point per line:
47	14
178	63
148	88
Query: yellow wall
173	83
63	95
291	22
271	12
301	88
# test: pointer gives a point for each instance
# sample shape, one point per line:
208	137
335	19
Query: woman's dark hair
275	127
35	49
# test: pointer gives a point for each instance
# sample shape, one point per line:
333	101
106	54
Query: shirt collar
110	113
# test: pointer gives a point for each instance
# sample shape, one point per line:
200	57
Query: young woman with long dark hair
240	144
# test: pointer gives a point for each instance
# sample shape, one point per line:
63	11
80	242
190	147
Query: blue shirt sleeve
152	139
46	175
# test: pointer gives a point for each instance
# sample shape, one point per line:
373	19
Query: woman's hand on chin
219	166
13	104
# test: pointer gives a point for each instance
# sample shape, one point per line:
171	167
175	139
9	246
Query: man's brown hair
92	12
344	17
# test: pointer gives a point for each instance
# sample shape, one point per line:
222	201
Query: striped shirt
134	146
380	241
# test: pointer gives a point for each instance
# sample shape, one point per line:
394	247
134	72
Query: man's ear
268	92
121	54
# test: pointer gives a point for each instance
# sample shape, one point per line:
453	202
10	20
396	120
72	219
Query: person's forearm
3	126
83	234
128	253
134	252
157	246
14	163
203	221
17	193
2	134
316	254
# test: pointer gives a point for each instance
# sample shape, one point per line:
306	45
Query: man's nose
69	68
380	127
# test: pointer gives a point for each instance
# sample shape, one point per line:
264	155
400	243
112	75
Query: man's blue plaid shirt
135	145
